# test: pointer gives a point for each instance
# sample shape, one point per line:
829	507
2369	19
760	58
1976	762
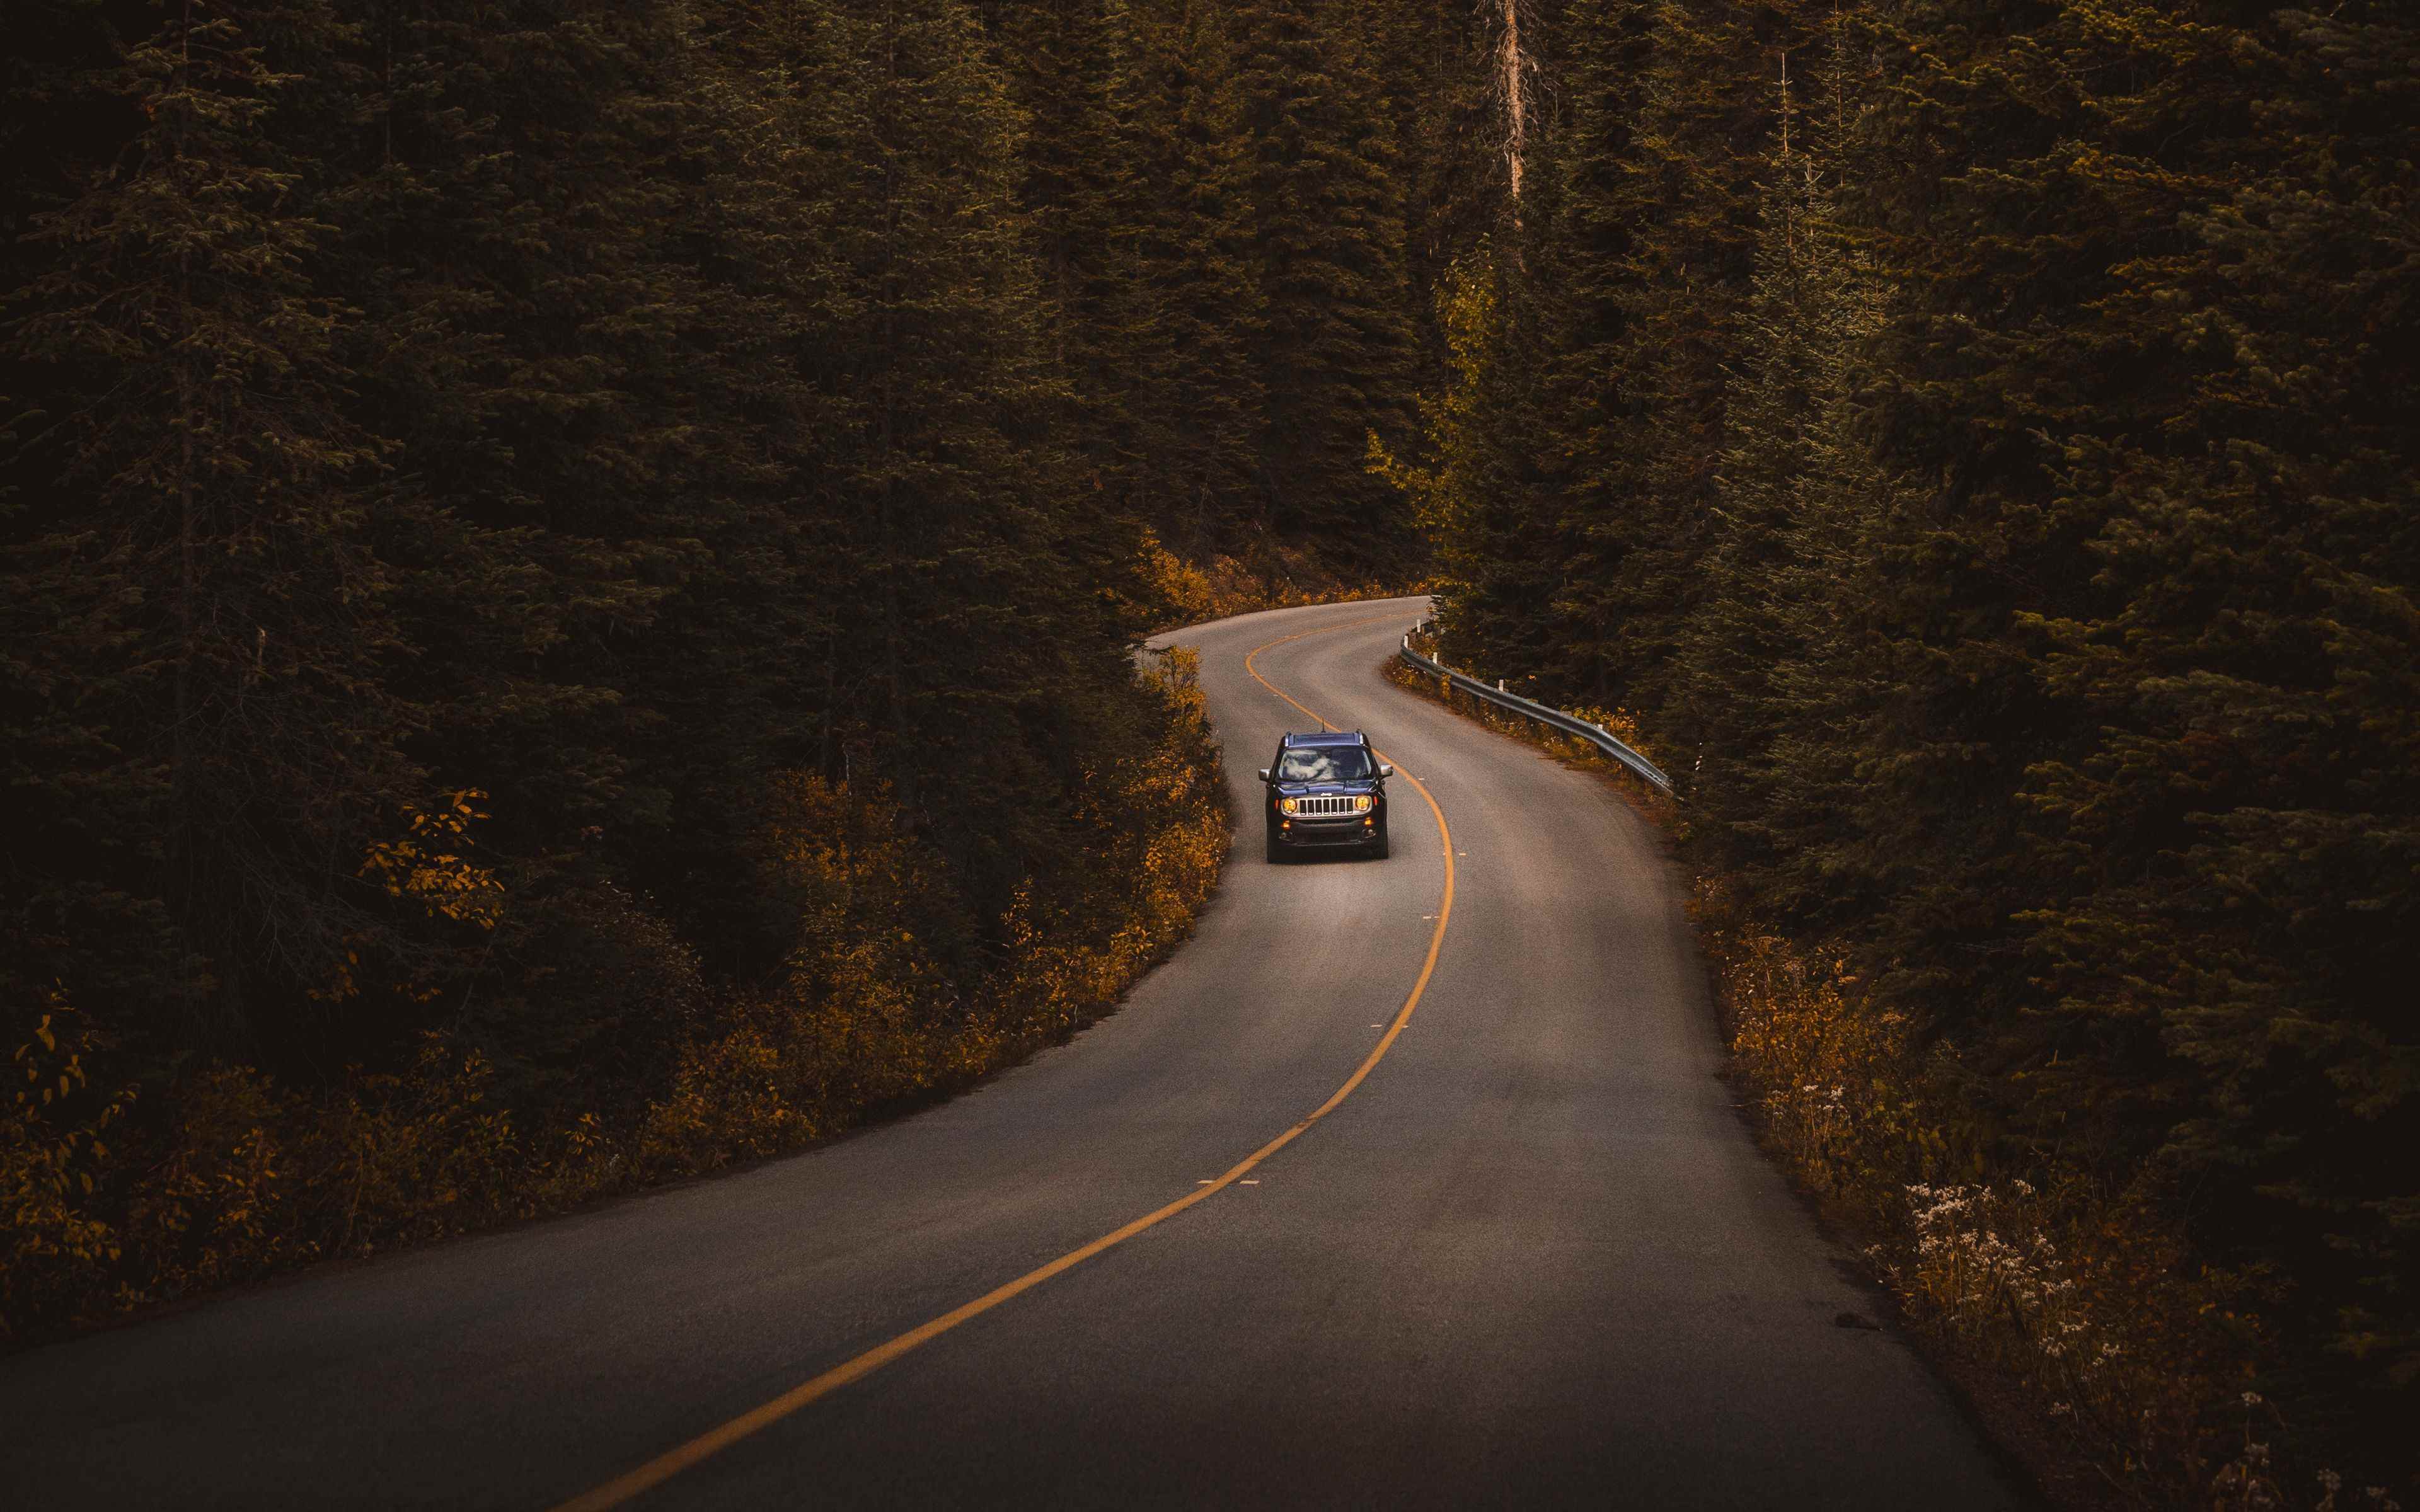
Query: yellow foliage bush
1187	593
2083	1297
241	1176
427	865
256	1178
1073	957
863	1016
1830	1076
54	1145
728	1102
244	1179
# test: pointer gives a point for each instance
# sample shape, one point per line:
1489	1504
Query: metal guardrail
1553	718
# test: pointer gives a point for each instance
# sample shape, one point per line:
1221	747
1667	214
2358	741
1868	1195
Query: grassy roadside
2070	1312
243	1178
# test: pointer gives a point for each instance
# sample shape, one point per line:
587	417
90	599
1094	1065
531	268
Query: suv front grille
1321	808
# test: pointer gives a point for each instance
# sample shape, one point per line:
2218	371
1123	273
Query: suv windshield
1324	764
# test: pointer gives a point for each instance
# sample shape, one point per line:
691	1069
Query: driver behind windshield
1336	763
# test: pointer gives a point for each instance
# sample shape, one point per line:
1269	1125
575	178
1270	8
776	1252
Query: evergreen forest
1976	445
571	568
570	571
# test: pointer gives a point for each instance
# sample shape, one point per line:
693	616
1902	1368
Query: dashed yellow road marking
673	1461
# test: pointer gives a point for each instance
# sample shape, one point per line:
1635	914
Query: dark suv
1326	790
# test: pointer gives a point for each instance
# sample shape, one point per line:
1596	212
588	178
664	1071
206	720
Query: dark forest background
487	489
1979	445
601	406
567	563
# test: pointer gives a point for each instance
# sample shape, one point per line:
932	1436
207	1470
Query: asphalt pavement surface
1532	1260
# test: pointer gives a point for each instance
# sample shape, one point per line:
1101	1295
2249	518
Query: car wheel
1277	852
1379	851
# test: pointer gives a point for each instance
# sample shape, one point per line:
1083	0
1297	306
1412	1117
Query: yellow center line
1287	639
673	1461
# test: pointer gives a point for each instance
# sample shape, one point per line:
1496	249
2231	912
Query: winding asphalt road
1532	1260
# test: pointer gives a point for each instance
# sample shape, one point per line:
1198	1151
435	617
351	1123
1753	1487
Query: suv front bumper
1311	833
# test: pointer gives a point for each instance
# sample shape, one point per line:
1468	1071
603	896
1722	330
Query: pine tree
1185	294
1315	169
736	670
969	539
575	502
1063	59
2236	834
1776	400
1432	59
1642	256
2126	818
1475	490
1781	691
1588	204
204	612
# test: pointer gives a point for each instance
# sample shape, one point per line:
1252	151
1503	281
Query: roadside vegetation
870	1010
2120	1369
1979	446
1196	593
569	576
569	573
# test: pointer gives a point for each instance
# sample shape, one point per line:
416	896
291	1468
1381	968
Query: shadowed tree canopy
472	478
539	428
1988	473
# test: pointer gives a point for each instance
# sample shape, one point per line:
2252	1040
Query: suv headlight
1285	806
1364	803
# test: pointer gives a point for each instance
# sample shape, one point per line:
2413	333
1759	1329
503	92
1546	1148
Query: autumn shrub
727	1102
2081	1291
54	1146
1833	1094
867	1012
1277	577
1077	947
588	989
252	1177
654	1073
861	1012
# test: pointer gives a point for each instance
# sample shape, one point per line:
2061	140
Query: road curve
1532	1260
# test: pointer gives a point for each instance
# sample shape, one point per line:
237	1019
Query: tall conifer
1315	169
202	617
1186	296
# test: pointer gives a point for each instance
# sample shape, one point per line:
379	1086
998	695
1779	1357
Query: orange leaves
427	865
869	1011
53	1242
243	1177
2077	1292
1278	577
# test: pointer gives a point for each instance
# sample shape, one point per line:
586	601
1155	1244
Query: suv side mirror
1265	773
1385	770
